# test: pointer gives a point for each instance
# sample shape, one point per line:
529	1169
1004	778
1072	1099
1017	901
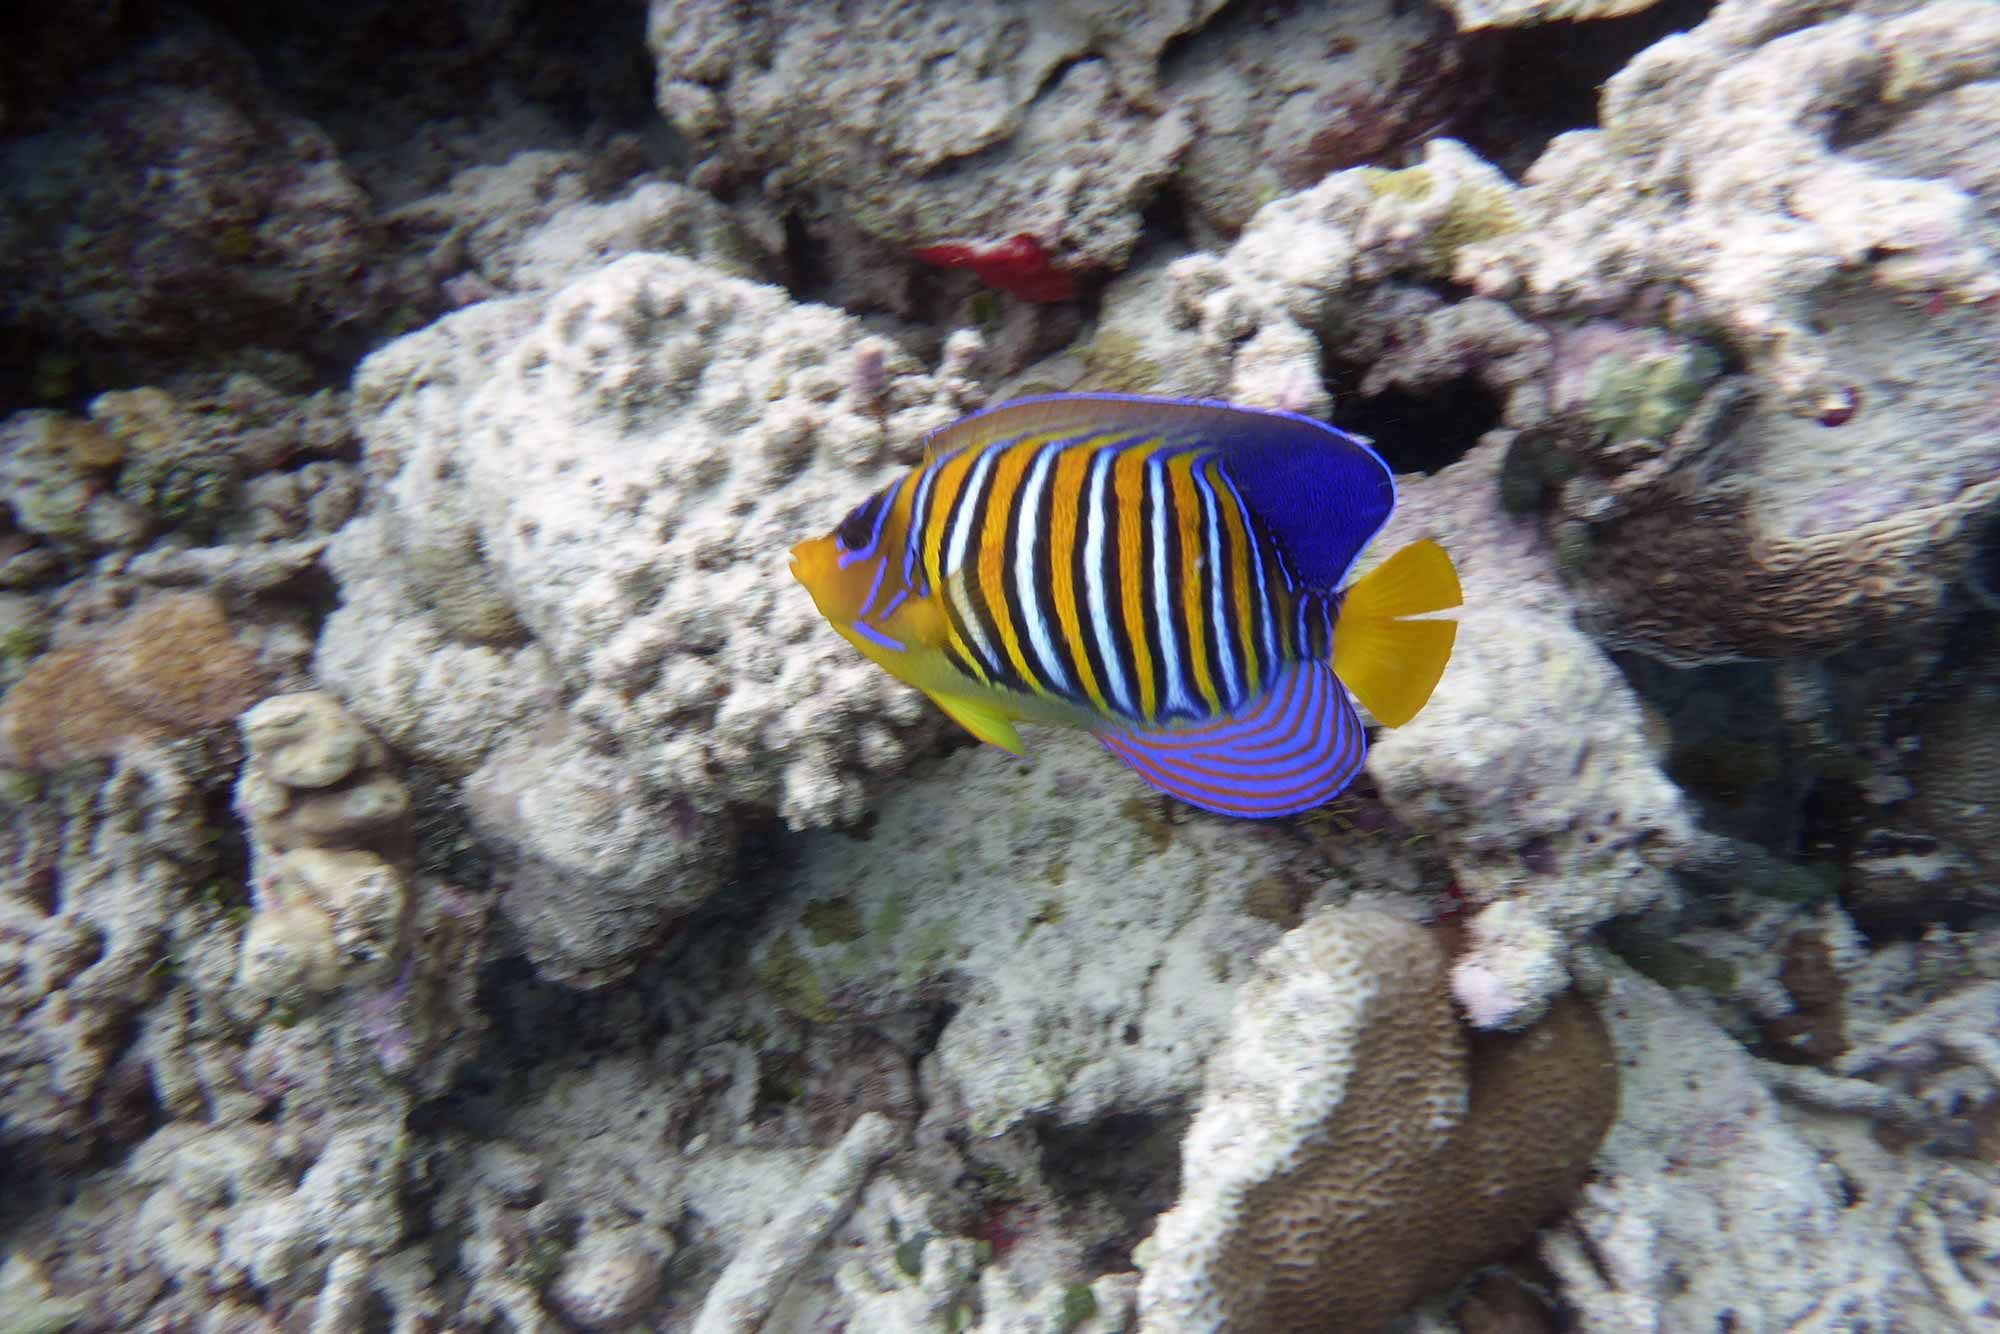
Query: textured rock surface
1352	1154
1086	935
542	217
1856	276
1628	206
100	894
177	202
1705	1179
1533	767
989	121
585	500
1712	379
975	123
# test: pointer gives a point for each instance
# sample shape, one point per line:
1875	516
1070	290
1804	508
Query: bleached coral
1704	1178
105	886
1080	158
541	218
1059	122
1714	174
585	502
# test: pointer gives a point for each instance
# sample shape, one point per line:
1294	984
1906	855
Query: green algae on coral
1079	1305
788	978
834	921
1648	397
1473	214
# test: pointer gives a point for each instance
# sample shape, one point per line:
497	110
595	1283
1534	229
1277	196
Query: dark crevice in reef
1727	747
1415	431
803	268
1546	78
1130	1162
535	1024
1167	225
586	64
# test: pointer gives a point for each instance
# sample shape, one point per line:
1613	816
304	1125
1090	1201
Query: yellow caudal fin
1392	665
982	720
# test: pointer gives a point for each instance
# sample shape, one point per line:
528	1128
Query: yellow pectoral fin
1392	665
981	719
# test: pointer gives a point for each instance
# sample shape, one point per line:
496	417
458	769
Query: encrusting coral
1355	1150
168	668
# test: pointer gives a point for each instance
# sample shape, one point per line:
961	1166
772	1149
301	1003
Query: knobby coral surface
574	578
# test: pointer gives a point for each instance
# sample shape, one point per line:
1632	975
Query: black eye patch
857	530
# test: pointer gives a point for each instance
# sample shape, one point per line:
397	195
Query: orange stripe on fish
1166	573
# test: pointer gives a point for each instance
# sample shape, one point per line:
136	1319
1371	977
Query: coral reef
743	1296
994	127
1834	502
1704	1176
1087	942
573	935
541	218
579	492
232	460
168	668
1558	828
1863	229
108	881
175	202
1351	1154
335	909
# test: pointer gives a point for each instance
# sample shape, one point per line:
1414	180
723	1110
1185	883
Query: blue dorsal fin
1292	749
1320	492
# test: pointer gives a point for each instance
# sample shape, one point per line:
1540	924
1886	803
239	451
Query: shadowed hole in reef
585	63
1415	431
1546	78
1726	747
1114	1177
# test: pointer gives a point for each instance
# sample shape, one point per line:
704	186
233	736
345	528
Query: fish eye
856	528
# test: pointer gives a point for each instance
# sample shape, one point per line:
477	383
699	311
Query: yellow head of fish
858	580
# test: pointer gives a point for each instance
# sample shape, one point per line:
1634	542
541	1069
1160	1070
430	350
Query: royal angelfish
1165	573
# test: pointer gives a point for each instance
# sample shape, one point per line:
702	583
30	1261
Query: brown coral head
169	668
1359	1148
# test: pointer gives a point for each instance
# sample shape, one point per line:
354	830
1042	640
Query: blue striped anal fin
1291	750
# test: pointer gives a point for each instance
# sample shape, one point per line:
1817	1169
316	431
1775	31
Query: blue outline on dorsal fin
1320	492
